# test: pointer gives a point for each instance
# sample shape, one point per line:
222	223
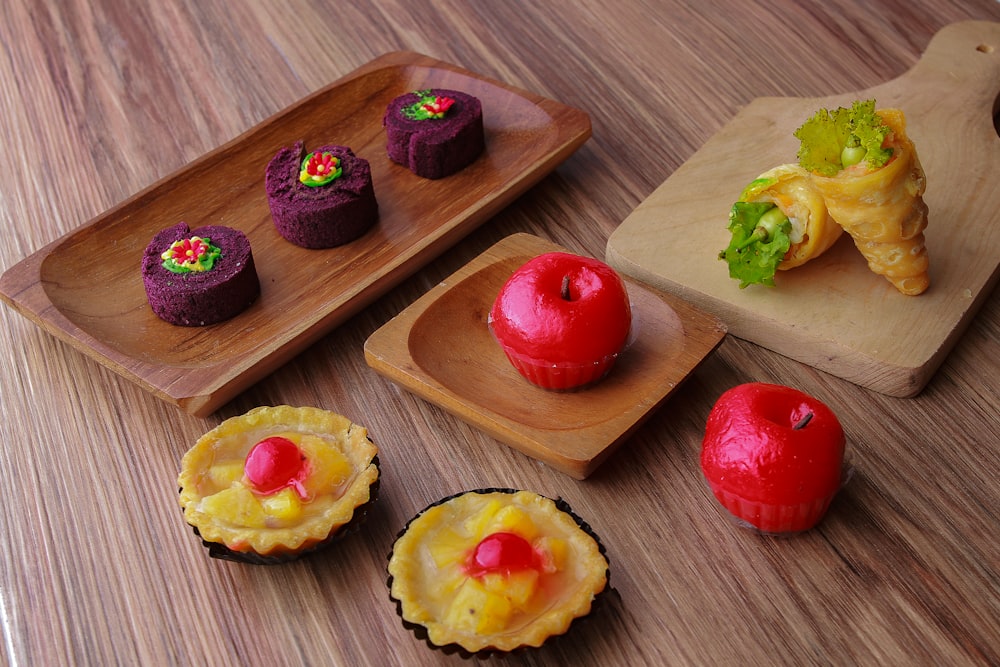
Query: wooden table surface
99	99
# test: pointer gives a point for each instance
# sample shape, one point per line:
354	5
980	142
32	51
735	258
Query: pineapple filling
283	480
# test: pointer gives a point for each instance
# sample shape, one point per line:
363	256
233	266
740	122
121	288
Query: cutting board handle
962	58
968	51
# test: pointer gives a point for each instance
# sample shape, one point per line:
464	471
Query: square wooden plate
73	289
441	349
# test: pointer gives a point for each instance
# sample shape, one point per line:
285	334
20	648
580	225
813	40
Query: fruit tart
278	482
495	570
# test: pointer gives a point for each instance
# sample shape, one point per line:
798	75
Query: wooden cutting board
833	313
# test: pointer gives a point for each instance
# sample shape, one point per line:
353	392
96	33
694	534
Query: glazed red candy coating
754	449
773	456
549	301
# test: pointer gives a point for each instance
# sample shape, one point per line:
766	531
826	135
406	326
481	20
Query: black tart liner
222	552
457	649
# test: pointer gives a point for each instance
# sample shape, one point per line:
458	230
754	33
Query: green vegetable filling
760	240
834	140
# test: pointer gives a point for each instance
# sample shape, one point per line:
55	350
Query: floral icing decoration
191	255
319	169
428	106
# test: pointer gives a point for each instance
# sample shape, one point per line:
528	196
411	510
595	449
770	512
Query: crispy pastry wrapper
791	189
884	211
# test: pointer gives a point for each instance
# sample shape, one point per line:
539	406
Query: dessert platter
226	269
441	348
100	307
833	313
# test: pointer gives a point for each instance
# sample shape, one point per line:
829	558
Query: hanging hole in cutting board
989	48
996	115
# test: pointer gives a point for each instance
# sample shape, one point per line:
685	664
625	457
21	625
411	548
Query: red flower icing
439	106
319	169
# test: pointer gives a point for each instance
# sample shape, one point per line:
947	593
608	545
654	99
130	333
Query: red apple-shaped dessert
562	320
773	456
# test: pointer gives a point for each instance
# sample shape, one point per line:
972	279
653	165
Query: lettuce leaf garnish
826	135
759	242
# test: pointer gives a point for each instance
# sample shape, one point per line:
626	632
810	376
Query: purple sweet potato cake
323	199
434	132
195	277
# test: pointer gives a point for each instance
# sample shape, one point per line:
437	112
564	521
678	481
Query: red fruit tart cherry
274	464
502	552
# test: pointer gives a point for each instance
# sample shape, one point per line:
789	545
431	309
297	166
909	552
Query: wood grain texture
833	312
100	99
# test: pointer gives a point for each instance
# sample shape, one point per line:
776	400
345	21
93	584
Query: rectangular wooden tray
95	301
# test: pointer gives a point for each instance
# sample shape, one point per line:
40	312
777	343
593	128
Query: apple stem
802	422
564	291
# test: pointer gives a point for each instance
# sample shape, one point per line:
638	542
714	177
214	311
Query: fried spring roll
882	206
779	222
